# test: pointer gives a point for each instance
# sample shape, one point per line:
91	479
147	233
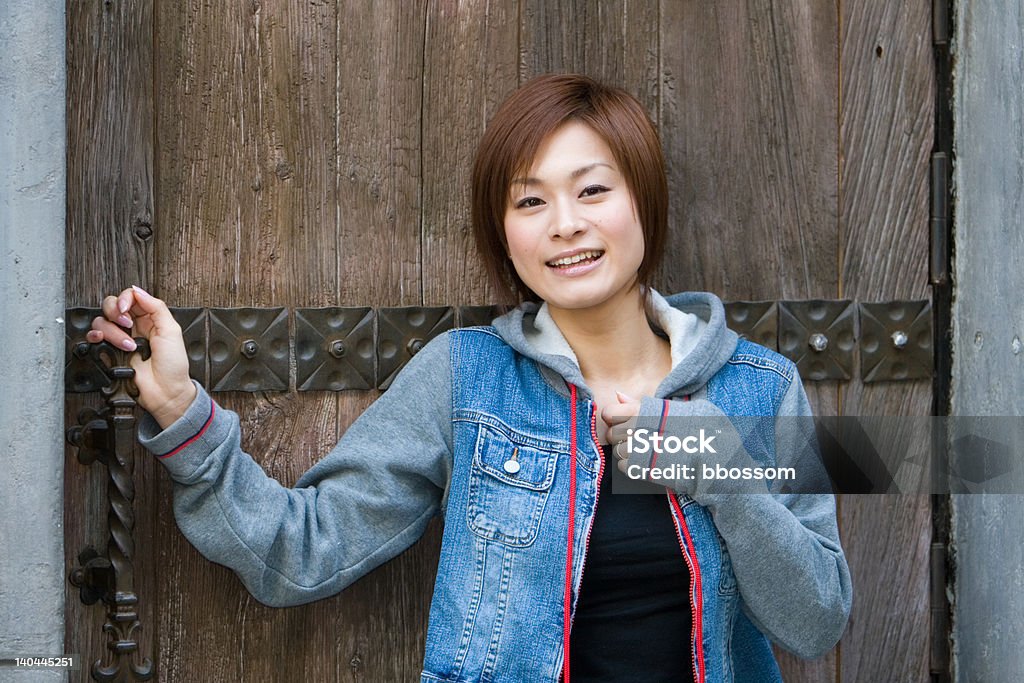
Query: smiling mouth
581	258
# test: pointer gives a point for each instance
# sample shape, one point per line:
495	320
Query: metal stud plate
470	316
249	349
193	329
757	321
895	341
334	349
82	373
819	336
402	332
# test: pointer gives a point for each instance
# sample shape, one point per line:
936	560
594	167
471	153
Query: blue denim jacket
761	565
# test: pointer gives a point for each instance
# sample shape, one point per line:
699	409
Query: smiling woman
510	431
571	225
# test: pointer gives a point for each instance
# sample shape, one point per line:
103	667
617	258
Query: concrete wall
988	327
32	210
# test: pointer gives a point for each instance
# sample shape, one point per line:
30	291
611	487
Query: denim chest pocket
509	484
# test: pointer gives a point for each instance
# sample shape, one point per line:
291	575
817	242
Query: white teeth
569	260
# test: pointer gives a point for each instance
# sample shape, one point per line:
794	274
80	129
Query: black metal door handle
107	436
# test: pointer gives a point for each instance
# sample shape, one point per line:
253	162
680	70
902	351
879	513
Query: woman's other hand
621	419
165	389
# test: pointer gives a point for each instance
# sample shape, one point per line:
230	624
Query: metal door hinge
939	636
940	22
939	247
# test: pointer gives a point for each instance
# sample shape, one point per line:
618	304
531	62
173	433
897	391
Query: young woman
508	430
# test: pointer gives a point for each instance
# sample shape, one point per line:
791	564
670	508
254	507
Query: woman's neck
614	343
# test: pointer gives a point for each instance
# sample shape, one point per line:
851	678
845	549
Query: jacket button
511	466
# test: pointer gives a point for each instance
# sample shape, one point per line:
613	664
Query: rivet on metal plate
334	348
819	336
896	341
249	349
402	332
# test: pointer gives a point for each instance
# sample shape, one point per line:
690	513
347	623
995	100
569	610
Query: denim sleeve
785	550
361	505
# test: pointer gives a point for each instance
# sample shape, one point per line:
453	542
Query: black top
633	619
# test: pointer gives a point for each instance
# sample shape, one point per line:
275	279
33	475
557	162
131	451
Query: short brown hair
519	127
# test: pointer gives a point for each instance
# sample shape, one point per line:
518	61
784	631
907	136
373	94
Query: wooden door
309	154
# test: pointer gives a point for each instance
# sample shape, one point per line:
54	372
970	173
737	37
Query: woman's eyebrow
581	171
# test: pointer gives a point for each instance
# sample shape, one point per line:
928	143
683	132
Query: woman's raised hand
165	389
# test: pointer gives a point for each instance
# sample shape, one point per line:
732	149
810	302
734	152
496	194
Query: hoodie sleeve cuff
653	414
187	442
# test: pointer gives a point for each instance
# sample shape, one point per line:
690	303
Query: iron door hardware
757	321
472	316
819	336
402	332
107	436
83	371
249	349
193	330
361	348
334	349
896	341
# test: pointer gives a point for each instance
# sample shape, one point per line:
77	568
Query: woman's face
571	224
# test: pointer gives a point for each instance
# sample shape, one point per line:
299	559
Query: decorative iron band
360	348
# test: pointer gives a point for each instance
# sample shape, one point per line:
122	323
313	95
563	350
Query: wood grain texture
379	101
615	42
886	135
110	148
748	119
469	68
110	214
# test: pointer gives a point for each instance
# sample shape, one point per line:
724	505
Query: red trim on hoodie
661	427
195	436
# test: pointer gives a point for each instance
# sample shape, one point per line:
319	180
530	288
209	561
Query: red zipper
567	621
696	604
566	608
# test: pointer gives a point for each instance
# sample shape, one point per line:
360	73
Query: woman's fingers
152	313
103	329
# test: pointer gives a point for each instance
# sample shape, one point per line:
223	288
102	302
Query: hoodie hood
694	323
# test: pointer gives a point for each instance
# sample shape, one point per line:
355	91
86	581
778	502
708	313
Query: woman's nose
567	222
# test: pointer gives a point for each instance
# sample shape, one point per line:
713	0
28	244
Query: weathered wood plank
987	377
108	247
551	36
379	100
248	216
377	627
748	117
470	66
110	148
620	47
886	119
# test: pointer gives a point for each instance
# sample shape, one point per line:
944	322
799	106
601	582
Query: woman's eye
528	202
592	190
